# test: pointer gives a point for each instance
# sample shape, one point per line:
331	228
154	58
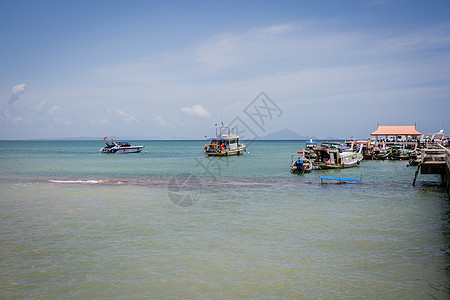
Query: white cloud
197	111
127	118
41	105
295	63
435	37
58	119
256	44
101	121
11	117
54	110
16	91
277	29
160	120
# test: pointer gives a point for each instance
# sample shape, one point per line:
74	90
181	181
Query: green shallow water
78	224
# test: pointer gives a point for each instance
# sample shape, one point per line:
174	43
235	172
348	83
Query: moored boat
415	158
399	153
382	153
225	143
328	158
113	147
309	149
300	164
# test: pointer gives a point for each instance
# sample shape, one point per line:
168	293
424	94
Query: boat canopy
396	130
223	138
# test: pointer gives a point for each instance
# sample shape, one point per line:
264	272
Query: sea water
171	223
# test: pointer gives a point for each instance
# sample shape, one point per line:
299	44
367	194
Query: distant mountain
285	134
332	138
91	138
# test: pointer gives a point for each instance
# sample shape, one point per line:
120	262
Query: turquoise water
171	223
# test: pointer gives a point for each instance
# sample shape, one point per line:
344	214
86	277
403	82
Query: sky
174	69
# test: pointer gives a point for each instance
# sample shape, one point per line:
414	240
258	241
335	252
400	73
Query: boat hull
322	165
238	151
401	157
300	170
335	159
122	150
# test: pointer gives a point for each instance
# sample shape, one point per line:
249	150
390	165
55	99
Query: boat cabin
225	143
222	144
334	158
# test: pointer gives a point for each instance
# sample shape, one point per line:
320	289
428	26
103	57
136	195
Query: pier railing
446	172
435	159
447	156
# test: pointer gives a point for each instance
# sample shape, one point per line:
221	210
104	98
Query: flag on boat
105	138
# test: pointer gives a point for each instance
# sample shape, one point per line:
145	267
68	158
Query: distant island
286	134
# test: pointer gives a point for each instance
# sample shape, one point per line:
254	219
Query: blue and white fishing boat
119	147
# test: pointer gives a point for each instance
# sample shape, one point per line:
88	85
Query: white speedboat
119	147
225	143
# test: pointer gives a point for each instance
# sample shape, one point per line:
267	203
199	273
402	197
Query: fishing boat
415	158
225	143
331	145
300	164
382	153
359	155
119	147
333	158
399	153
309	149
360	146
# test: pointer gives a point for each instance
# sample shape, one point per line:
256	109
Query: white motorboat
119	147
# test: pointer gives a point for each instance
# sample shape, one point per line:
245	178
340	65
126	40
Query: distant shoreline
166	140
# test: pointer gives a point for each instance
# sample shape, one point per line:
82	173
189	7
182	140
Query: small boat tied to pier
335	157
300	164
225	143
400	153
119	147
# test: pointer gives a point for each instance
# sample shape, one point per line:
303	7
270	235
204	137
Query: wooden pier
435	159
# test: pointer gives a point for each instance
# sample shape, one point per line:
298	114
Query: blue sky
172	69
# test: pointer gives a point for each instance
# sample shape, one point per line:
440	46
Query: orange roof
396	130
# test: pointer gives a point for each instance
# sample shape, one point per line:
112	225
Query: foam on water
78	181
